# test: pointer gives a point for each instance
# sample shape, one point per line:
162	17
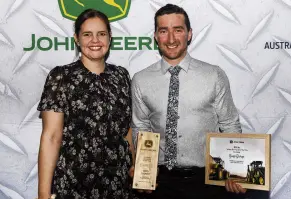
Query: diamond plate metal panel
231	34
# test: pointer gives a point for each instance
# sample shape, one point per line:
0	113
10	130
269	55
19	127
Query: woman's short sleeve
54	95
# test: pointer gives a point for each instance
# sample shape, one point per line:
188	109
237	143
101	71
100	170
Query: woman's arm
131	147
50	142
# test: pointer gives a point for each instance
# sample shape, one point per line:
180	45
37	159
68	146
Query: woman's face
93	39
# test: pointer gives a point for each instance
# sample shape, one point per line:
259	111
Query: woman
86	112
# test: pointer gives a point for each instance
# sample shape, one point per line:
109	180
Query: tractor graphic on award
256	173
241	158
217	171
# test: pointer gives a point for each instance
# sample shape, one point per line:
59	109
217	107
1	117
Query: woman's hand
53	196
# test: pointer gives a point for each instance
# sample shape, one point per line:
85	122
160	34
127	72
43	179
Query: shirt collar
184	64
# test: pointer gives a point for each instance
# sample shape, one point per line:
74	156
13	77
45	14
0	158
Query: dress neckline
107	69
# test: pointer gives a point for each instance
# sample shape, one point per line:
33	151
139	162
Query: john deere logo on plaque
148	143
114	9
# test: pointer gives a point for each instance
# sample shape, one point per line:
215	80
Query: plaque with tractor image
217	171
241	158
256	173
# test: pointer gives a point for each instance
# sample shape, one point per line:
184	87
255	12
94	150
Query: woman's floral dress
94	157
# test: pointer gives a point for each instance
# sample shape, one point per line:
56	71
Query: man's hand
131	171
131	174
233	187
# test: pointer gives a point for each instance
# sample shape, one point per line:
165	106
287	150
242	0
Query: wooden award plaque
240	157
146	164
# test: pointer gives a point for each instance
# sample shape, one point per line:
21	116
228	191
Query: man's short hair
172	9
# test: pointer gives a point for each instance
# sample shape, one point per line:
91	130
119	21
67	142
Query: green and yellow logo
114	9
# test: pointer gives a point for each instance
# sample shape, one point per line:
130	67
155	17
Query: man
182	99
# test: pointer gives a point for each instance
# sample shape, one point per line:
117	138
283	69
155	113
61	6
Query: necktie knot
175	70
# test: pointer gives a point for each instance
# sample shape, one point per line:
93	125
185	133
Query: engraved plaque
146	164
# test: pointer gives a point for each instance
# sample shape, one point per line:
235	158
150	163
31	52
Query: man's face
172	37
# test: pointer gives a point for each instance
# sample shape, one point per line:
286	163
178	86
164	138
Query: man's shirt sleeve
228	117
140	112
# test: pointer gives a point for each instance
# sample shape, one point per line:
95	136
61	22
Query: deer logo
114	9
148	143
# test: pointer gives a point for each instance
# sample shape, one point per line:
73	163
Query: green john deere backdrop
114	9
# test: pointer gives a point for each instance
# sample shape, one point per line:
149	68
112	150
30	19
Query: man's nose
171	37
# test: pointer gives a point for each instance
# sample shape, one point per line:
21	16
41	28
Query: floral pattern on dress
94	157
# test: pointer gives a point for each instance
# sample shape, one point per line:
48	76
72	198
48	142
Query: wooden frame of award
243	158
146	164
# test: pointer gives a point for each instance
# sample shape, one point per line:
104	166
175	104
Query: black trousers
190	184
